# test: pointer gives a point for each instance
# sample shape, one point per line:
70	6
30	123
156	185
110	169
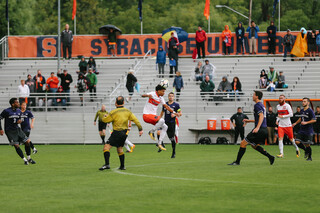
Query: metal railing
3	48
120	87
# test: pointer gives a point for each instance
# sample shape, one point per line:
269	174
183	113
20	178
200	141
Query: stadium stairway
76	124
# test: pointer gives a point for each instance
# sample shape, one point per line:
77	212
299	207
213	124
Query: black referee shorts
257	138
171	129
102	126
16	137
117	138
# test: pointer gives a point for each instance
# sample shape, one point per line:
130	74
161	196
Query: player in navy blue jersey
259	134
170	120
12	119
26	126
304	136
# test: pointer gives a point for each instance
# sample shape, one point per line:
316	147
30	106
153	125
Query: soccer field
66	179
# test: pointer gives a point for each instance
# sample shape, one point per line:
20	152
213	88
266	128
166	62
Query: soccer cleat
35	151
280	156
31	161
122	168
309	159
271	160
128	151
151	134
26	163
234	164
104	167
159	150
162	148
298	153
173	155
132	148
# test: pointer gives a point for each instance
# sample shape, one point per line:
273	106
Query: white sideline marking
184	179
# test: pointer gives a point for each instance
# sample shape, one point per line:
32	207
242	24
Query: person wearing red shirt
52	84
201	38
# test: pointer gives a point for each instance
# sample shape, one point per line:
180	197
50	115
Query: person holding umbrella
173	44
112	37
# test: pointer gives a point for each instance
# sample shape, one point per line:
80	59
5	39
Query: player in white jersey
284	124
150	113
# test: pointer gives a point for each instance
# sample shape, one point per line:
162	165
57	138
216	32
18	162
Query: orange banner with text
127	45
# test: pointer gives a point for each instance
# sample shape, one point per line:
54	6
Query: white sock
294	144
129	143
163	133
158	125
28	157
126	146
34	149
281	146
24	159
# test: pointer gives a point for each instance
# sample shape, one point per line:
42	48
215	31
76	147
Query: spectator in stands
81	86
207	87
226	40
66	80
312	44
225	85
318	42
208	69
198	72
161	61
263	79
272	30
271	124
223	89
92	65
32	86
40	82
67	39
253	37
300	47
23	92
281	80
294	118
240	38
83	65
112	37
131	82
173	52
178	84
61	98
201	38
236	87
316	127
52	84
92	84
271	86
273	76
288	42
238	124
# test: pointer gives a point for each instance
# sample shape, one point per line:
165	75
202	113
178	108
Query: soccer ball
164	83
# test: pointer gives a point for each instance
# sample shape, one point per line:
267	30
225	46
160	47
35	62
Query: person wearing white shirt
284	124
23	92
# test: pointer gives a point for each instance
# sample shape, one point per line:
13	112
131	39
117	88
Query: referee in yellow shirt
101	125
119	118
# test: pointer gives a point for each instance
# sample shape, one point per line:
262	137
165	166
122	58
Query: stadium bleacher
76	124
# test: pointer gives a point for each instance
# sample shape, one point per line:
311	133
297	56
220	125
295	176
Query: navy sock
263	151
31	145
301	146
240	154
19	152
28	149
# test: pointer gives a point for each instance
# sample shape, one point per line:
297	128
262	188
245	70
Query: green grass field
66	179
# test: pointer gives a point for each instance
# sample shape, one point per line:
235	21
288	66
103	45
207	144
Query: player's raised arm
168	108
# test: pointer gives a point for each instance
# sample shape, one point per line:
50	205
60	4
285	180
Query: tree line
39	17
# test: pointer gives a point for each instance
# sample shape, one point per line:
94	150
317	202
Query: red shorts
151	119
285	130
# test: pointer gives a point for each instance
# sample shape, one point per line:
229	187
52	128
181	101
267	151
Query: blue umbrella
182	35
